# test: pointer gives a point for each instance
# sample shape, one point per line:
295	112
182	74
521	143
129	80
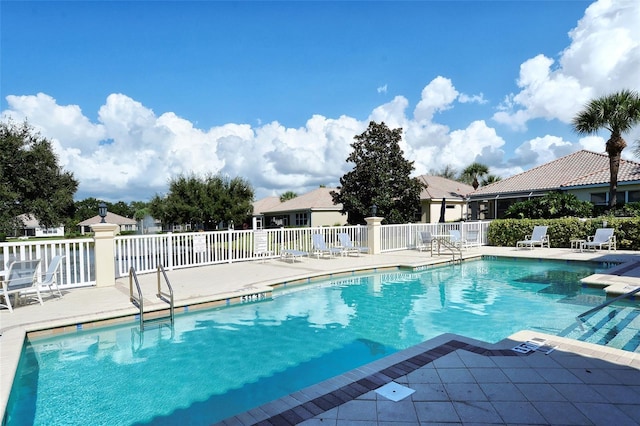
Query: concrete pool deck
469	401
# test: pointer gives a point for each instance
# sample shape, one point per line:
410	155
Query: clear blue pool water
217	363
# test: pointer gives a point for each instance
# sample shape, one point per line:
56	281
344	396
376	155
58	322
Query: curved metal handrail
136	300
162	294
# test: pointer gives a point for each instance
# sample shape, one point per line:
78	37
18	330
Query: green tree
289	195
204	202
618	113
489	179
472	172
31	181
380	176
555	204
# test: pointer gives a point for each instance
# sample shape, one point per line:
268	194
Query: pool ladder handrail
579	318
449	245
163	295
138	300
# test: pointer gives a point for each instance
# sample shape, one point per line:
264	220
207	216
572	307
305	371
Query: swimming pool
217	363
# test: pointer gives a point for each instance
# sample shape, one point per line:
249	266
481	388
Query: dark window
634	196
599	198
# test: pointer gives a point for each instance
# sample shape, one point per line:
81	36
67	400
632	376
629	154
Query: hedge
507	232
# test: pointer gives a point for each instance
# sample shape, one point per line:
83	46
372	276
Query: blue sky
134	93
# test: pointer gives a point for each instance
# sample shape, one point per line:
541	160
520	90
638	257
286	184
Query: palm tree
488	179
472	172
289	195
617	113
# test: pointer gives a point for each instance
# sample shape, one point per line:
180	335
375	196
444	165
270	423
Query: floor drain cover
394	391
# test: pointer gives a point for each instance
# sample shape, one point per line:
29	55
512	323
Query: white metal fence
404	236
77	268
183	250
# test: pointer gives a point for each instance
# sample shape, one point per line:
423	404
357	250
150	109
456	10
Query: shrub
507	232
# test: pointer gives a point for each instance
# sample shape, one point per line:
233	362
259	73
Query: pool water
213	364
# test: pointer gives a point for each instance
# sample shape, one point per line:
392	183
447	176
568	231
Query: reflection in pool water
213	364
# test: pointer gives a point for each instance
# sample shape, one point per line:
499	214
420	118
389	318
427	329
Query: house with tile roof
583	173
314	208
124	223
437	188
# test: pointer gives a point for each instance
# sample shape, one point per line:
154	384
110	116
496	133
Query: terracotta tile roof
318	199
577	169
438	187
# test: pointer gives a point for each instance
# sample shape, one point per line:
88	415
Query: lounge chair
456	239
320	248
603	237
21	276
472	238
51	276
348	247
537	238
292	254
424	240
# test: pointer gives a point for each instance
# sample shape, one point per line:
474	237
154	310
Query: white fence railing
404	236
183	250
77	268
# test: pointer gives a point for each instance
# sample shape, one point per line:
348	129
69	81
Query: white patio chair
424	240
21	276
320	248
603	237
347	244
51	276
537	238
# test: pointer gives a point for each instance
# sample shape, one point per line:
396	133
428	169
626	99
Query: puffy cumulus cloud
392	113
55	121
438	95
542	150
604	56
605	50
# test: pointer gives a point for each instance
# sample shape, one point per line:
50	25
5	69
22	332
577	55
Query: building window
599	198
302	219
634	196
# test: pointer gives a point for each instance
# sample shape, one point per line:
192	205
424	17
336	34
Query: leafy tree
31	181
617	113
472	172
381	176
553	205
289	195
204	202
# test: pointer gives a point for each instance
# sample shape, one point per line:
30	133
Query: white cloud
463	98
604	56
437	96
382	89
542	150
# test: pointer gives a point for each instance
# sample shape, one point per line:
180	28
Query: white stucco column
373	234
104	252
